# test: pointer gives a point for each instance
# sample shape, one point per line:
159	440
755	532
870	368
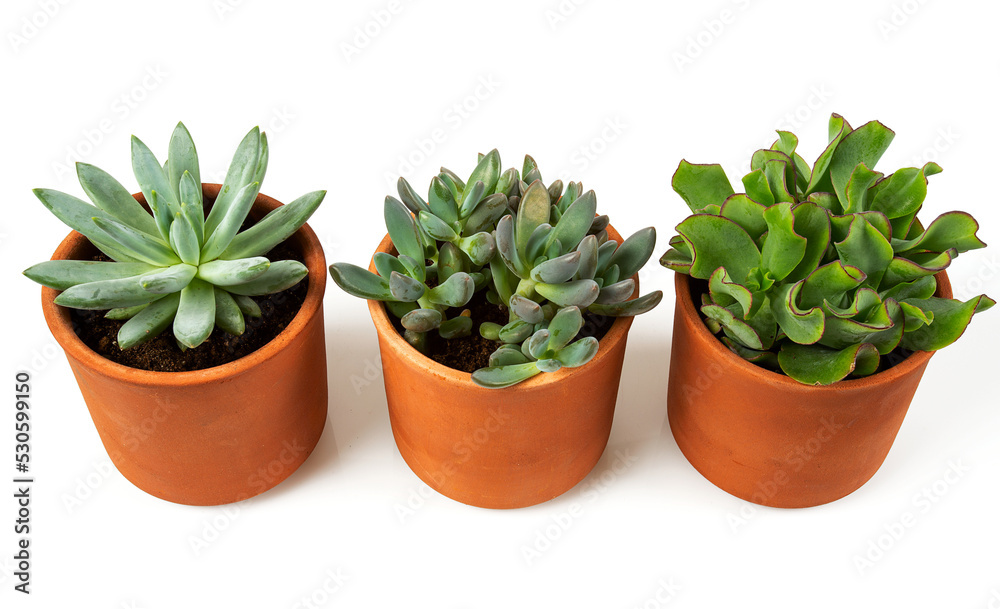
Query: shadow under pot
499	448
771	440
218	435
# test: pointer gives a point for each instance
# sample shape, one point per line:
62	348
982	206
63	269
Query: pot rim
387	332
57	317
685	307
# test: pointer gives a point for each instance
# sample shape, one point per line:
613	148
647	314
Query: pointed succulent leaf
148	323
578	353
385	264
575	221
195	314
436	227
915	317
228	315
422	320
902	270
857	189
484	217
814	365
616	292
107	294
221	236
487	172
951	318
410	198
701	185
274	228
151	177
441	200
735	328
532	213
183	157
776	172
184	238
169	279
538	243
507	246
192	206
504	376
248	306
233	272
813	223
403	229
139	245
830	282
109	195
902	194
883	329
820	179
241	173
79	216
955	229
634	252
262	159
507	184
919	289
63	274
471	199
858	307
766	359
281	275
588	258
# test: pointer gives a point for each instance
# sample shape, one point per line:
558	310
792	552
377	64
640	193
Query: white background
645	529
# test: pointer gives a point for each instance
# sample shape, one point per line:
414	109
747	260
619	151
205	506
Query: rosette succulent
176	266
822	271
542	253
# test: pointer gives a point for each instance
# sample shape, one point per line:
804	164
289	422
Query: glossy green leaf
701	185
856	190
580	292
274	228
183	157
717	242
783	249
814	365
109	195
219	238
148	323
140	245
955	229
736	328
63	274
281	275
579	353
951	318
866	144
241	173
804	326
169	279
233	272
108	294
725	291
504	376
184	238
867	249
195	318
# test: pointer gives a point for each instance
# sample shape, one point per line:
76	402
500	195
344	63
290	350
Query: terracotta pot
499	448
768	439
218	435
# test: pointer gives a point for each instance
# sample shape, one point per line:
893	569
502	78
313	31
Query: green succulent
175	266
540	252
821	271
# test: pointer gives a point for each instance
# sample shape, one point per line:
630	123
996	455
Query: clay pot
218	435
499	448
768	439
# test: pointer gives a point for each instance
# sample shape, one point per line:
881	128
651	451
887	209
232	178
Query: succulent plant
821	271
540	252
175	265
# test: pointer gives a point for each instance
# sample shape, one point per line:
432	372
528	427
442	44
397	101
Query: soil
894	357
470	353
162	354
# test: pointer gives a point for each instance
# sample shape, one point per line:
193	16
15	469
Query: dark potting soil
894	357
161	354
470	353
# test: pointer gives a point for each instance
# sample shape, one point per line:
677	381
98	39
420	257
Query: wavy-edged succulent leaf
856	190
921	288
830	282
233	272
902	270
504	376
182	157
281	275
766	359
241	173
578	353
954	229
422	320
195	318
758	191
109	195
63	274
168	280
783	248
149	322
717	242
579	292
883	329
814	365
820	179
724	292
455	327
915	317
628	308
859	306
735	327
813	223
900	195
107	294
803	326
455	292
951	318
228	315
867	249
403	229
274	228
747	213
866	144
220	237
776	174
701	185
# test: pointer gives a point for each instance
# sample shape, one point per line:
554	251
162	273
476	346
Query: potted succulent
502	308
807	309
199	352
